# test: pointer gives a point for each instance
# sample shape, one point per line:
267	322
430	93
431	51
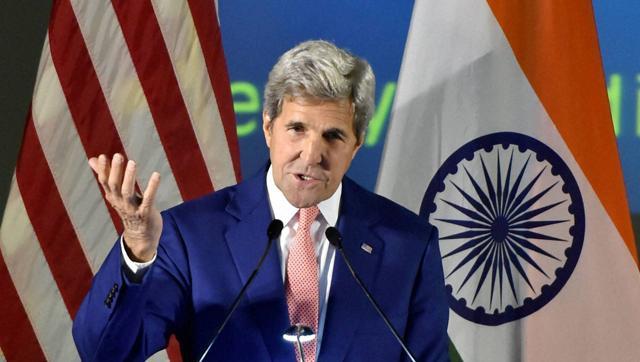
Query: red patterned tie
302	279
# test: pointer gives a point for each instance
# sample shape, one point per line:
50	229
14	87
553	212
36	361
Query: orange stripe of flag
556	45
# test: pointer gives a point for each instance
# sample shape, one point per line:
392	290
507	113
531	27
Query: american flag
147	79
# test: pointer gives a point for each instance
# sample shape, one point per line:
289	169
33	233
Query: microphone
336	240
273	232
299	334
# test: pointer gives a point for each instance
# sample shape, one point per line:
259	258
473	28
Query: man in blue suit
178	272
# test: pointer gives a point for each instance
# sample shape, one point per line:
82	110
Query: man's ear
266	128
359	142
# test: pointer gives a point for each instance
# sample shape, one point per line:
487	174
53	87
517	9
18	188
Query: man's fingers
150	193
103	172
119	184
129	181
93	163
115	176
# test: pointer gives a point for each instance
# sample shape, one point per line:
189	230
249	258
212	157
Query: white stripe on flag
125	97
422	126
459	80
67	160
33	281
58	98
181	39
160	356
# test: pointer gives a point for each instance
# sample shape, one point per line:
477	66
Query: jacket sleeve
122	320
426	331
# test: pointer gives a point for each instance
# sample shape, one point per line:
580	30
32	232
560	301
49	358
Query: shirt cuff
133	266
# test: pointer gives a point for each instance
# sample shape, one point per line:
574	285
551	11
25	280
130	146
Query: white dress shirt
281	209
325	252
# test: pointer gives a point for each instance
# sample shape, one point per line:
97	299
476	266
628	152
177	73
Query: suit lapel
246	241
347	303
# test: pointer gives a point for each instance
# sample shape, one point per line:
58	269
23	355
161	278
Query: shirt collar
281	208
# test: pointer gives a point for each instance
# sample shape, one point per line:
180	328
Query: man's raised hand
142	221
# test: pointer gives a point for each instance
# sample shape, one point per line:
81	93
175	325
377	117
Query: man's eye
333	136
296	128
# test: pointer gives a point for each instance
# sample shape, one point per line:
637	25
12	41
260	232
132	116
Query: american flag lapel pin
366	247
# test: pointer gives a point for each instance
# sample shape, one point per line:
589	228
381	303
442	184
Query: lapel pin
366	247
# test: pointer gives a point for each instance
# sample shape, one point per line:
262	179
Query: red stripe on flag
50	221
155	70
173	349
82	90
204	17
18	341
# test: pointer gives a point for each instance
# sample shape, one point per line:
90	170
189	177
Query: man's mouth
305	177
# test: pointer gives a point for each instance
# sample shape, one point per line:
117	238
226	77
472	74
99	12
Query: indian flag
502	137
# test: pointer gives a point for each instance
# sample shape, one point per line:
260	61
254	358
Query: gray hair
318	69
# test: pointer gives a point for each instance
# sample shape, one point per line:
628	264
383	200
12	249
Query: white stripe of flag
66	158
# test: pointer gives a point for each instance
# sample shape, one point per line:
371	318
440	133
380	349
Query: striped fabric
503	138
144	78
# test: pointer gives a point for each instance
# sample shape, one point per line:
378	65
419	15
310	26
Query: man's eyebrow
294	123
335	131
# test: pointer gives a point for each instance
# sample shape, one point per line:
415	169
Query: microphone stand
335	238
273	232
299	345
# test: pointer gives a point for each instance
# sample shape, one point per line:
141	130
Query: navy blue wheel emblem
511	223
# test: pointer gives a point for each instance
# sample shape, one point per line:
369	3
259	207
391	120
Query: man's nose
312	151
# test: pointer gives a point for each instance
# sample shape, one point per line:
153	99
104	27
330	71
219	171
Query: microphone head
274	229
298	332
334	237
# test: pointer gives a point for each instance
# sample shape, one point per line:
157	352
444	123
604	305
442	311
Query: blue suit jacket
210	246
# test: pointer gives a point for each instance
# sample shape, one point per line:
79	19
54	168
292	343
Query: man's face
311	145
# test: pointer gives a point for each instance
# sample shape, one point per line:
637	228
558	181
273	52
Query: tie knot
306	217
